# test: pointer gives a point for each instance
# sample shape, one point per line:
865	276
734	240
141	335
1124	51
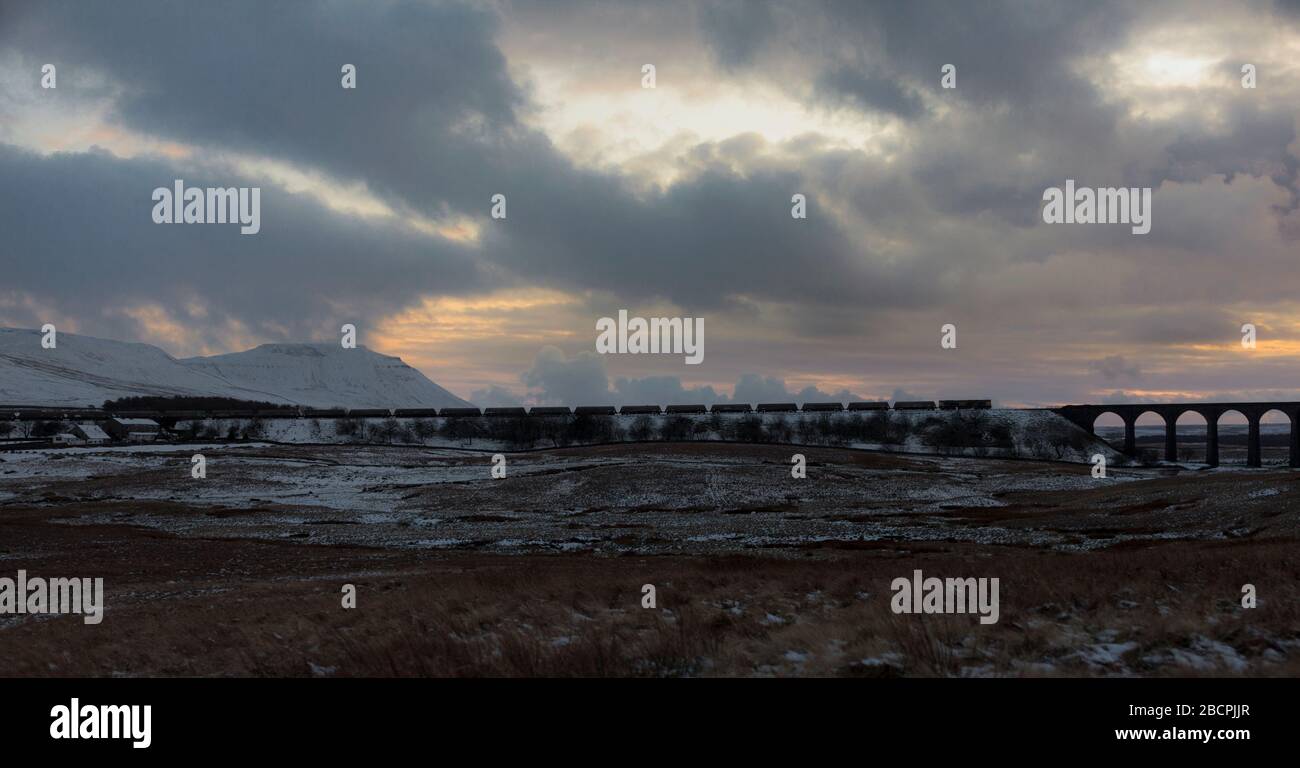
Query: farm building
134	430
68	439
90	433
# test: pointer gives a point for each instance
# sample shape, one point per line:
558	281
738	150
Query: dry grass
1160	609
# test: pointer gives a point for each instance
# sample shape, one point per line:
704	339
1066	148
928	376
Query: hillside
326	374
86	371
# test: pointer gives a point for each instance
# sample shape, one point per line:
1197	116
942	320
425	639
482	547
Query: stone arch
1277	444
1137	414
1123	443
1232	439
1196	427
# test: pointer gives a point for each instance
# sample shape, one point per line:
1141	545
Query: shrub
1063	437
717	424
517	431
424	429
971	429
48	428
554	430
348	427
384	431
593	429
642	428
749	430
676	428
779	431
463	428
882	427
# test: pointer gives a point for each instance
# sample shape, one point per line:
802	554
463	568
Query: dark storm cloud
1005	52
705	238
432	127
1019	92
737	29
1016	71
1009	52
78	232
1288	7
850	85
432	99
1254	142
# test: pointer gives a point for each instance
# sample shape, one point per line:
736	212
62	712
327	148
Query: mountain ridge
86	371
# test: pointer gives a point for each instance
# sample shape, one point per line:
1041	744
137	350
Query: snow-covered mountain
327	374
85	371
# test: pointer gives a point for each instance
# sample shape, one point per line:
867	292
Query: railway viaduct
1085	416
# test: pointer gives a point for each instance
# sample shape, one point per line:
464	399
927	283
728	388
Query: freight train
45	413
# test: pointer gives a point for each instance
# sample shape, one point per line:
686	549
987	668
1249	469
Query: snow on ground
645	497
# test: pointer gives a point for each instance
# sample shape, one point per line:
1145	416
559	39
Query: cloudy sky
923	202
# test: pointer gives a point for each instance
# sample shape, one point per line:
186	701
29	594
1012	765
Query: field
541	572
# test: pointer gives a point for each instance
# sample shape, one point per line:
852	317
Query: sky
923	202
